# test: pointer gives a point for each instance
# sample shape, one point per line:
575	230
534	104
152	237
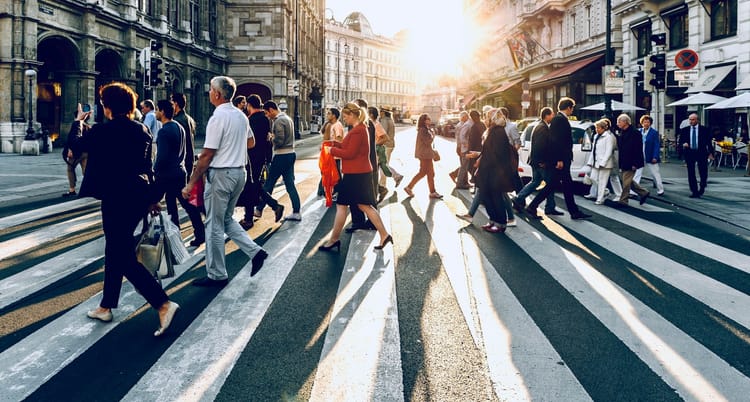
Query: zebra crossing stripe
48	234
33	279
692	370
522	363
29	216
361	356
720	297
196	365
729	257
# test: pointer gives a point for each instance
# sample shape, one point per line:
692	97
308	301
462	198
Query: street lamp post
296	69
338	66
30	135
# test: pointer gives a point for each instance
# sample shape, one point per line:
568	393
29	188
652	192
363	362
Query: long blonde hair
355	110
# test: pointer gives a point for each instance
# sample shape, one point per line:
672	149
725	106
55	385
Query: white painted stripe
693	371
720	297
41	213
49	271
12	197
523	365
196	365
35	359
36	186
716	252
361	356
48	234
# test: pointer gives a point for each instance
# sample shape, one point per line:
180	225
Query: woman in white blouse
601	158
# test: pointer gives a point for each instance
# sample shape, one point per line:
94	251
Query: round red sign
686	59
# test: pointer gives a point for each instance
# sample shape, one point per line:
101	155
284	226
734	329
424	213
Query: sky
436	27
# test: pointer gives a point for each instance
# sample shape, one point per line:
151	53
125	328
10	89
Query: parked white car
582	133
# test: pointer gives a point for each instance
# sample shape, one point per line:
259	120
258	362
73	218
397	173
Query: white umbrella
615	106
734	102
701	98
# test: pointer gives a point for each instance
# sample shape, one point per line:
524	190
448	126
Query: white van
582	133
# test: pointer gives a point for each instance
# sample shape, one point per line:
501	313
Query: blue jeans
478	200
223	188
282	165
537	175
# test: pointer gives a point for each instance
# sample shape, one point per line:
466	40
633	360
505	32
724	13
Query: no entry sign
686	59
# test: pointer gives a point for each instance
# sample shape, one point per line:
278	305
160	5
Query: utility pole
608	58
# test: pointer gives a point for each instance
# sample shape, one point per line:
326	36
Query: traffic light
155	72
647	75
659	71
154	64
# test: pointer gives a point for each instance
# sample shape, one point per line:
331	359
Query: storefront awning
745	84
709	79
504	87
566	70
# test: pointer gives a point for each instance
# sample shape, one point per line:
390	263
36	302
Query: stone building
541	51
77	45
362	64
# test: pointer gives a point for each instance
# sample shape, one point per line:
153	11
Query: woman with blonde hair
601	158
423	152
355	188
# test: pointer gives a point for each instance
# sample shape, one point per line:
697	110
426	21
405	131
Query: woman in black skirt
355	187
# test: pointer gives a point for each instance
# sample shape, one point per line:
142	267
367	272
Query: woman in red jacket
355	187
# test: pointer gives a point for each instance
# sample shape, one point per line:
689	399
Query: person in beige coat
423	151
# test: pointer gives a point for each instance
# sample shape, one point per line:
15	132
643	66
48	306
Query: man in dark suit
696	145
559	156
630	146
538	162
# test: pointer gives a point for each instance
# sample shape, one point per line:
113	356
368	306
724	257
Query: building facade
75	46
361	64
557	48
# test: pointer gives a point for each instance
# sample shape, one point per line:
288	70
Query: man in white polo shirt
223	159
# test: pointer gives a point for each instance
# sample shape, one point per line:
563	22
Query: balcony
537	9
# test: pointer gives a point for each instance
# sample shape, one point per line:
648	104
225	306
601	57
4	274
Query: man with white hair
630	148
695	141
463	129
223	159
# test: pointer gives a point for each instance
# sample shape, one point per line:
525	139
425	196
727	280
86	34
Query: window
212	20
642	36
723	18
678	29
173	12
195	18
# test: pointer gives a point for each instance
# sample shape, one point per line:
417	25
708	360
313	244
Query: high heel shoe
336	245
385	242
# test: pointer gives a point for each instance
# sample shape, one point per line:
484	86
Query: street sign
685	83
614	80
686	59
292	87
686	75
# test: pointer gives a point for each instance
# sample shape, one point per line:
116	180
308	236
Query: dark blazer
539	143
704	139
475	136
630	145
561	140
423	145
119	162
261	126
496	170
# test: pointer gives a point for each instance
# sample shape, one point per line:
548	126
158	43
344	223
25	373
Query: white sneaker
511	223
606	192
293	217
599	202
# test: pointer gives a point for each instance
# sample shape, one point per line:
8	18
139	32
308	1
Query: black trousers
253	190
694	157
553	176
120	217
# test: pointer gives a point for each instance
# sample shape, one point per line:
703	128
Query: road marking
361	356
695	372
48	234
196	365
41	213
